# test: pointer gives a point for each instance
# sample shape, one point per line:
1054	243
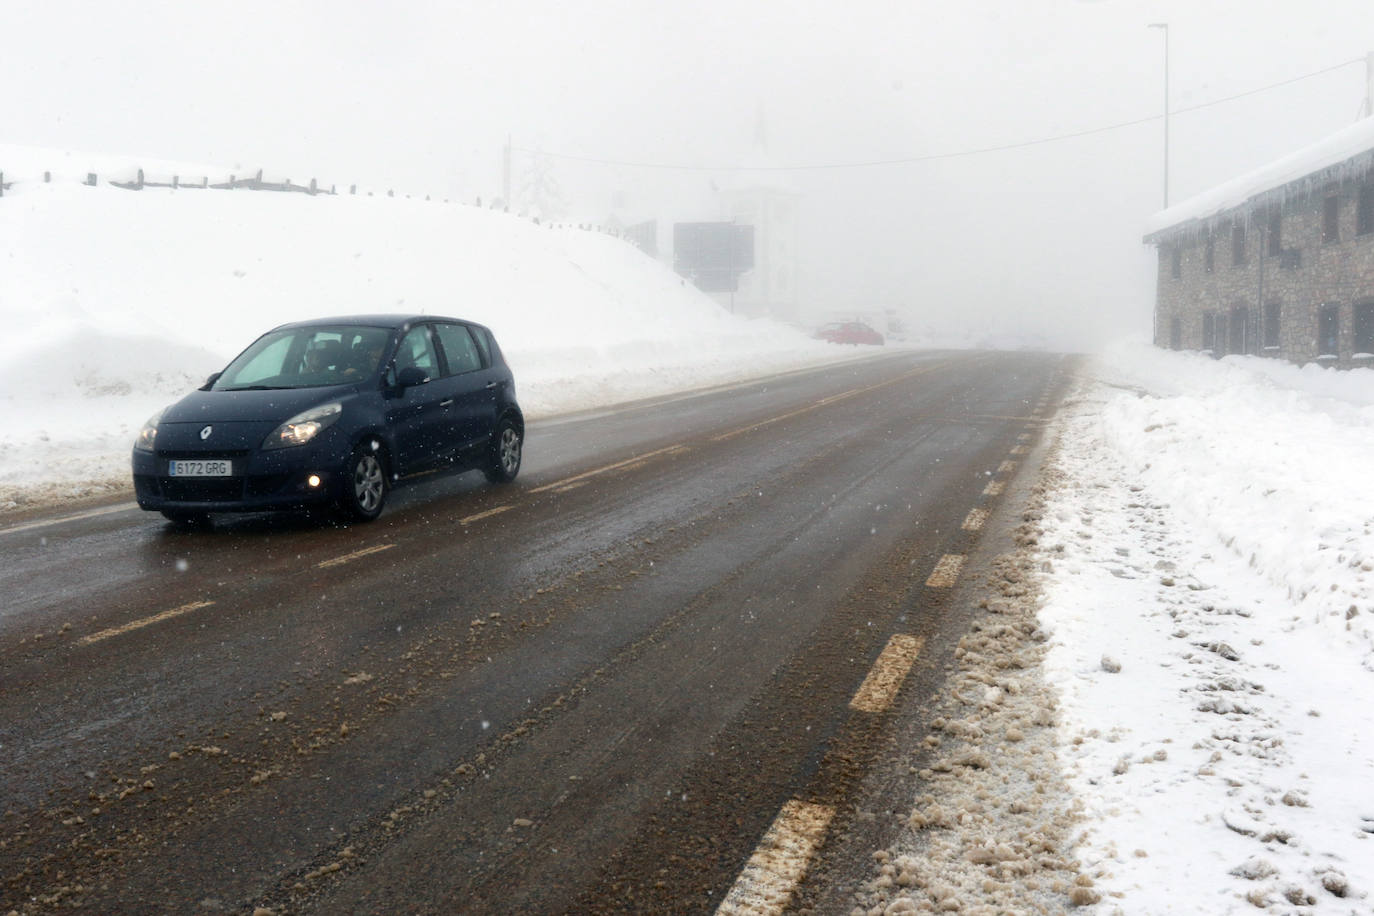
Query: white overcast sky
421	97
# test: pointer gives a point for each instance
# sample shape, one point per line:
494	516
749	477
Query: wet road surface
594	690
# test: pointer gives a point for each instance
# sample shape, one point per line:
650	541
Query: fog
877	113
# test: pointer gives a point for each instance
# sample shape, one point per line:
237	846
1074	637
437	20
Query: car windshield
310	357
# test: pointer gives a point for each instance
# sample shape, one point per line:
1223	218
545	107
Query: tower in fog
759	195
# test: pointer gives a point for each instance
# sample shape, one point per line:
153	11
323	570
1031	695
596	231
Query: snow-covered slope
118	301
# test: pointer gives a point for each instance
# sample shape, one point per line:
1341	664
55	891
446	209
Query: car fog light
312	481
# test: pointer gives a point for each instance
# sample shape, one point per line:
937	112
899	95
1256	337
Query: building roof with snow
1348	153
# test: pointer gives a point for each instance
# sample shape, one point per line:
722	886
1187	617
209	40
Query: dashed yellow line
146	621
834	398
1006	467
481	515
994	488
885	678
1019	450
975	519
350	557
628	462
946	572
775	869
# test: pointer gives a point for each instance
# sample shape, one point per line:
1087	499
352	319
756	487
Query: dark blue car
333	413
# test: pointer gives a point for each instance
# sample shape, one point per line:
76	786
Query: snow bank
1208	594
119	301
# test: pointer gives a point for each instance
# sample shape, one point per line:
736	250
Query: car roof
375	321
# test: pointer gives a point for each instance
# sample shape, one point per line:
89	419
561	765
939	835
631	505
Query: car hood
270	407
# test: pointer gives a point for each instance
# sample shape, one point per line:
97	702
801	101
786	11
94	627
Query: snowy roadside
1165	710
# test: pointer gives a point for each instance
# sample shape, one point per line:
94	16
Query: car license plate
201	468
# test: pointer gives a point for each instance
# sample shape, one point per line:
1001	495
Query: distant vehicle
849	332
333	413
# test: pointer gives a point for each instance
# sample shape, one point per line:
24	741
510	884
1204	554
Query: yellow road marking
994	488
637	459
76	516
146	621
775	869
1019	450
481	515
823	402
1024	437
1006	467
349	557
946	572
975	519
885	678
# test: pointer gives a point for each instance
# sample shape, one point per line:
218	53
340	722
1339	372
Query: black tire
505	452
183	518
363	487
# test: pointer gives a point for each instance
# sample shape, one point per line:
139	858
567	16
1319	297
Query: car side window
483	343
459	348
417	349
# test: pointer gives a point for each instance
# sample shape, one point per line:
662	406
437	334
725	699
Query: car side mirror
411	376
210	382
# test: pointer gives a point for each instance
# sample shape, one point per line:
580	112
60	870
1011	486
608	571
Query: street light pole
1165	27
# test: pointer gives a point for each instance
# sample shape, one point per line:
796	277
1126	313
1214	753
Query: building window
1209	254
1331	219
1363	343
1240	330
1364	211
1329	332
1238	245
1275	234
1176	262
1272	314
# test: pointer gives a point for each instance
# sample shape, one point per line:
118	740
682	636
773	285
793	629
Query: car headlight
304	426
148	433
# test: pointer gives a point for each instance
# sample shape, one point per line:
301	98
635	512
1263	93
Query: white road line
975	520
481	515
946	572
93	513
994	489
350	557
885	678
146	621
775	869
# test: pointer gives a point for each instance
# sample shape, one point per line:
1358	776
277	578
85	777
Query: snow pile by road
1210	610
1165	709
117	302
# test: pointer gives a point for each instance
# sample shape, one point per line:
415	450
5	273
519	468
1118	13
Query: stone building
1278	262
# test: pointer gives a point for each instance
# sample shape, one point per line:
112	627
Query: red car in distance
849	332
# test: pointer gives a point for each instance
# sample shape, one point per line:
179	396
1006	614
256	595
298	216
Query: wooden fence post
91	179
2	184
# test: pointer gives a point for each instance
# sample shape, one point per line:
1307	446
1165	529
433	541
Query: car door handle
491	385
448	403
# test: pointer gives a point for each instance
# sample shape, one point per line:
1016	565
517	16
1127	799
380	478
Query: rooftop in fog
1347	152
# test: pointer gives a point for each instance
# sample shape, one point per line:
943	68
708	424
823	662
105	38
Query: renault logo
205	433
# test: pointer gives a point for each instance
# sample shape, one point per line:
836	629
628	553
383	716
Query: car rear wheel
364	483
507	444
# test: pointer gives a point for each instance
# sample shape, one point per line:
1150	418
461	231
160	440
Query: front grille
202	489
202	456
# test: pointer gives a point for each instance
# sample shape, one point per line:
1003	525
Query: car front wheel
507	443
364	484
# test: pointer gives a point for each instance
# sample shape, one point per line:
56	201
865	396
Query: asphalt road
612	686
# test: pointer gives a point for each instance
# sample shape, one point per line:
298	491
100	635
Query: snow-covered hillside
118	301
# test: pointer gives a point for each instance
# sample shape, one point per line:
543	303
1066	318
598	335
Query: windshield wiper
257	388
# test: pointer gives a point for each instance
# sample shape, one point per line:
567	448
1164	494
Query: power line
932	157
